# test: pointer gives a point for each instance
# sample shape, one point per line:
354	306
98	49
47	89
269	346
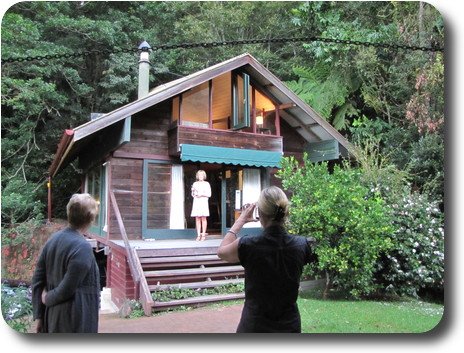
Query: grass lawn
347	316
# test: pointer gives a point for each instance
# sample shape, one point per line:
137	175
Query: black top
273	263
68	270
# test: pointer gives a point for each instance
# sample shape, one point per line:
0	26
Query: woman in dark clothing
273	263
65	284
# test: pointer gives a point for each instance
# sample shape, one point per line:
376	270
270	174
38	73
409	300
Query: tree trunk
328	286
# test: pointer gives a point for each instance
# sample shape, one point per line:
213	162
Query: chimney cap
144	46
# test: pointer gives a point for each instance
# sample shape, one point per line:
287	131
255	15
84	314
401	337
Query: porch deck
213	241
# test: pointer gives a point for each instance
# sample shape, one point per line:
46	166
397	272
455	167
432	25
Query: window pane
158	196
265	115
175	109
195	106
242	102
222	100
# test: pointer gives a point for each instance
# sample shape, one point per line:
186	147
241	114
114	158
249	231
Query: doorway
231	187
214	177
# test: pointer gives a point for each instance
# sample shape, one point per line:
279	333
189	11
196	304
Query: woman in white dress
201	192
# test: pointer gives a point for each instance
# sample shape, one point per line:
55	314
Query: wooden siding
221	138
151	138
126	179
149	131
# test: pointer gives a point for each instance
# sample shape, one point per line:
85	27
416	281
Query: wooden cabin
235	120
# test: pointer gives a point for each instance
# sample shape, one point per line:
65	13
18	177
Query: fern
325	91
346	110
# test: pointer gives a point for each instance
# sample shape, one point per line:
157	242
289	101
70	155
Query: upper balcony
221	138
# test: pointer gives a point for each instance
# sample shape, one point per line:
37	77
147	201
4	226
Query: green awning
236	156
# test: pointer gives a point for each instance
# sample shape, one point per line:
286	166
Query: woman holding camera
273	263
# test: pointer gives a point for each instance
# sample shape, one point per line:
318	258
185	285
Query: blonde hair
200	172
82	209
273	204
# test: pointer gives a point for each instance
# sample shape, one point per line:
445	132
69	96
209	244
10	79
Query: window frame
238	123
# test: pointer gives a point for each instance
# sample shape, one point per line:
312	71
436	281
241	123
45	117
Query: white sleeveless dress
201	194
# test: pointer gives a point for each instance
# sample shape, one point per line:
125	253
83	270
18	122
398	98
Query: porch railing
141	286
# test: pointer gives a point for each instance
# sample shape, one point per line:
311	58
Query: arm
207	190
38	285
78	267
228	250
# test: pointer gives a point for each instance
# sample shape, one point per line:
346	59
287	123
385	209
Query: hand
247	213
44	294
38	328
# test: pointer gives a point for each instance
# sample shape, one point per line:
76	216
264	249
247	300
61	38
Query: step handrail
134	262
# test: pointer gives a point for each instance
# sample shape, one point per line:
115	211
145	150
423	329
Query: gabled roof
297	113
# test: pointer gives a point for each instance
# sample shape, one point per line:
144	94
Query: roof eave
66	142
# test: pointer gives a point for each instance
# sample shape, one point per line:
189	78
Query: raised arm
228	250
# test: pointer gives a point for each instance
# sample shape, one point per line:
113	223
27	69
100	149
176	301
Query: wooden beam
286	106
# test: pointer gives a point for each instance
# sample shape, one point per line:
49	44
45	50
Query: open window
241	102
226	102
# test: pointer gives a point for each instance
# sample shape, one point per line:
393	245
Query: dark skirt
257	321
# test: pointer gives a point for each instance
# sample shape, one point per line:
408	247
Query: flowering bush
416	262
374	235
17	307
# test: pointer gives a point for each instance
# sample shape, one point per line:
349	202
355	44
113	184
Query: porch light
260	118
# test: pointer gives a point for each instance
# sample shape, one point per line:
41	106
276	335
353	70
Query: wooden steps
193	273
195	270
167	262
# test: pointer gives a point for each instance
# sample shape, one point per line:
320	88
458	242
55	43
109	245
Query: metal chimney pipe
144	69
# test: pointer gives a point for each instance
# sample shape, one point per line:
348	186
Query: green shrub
415	262
351	226
19	202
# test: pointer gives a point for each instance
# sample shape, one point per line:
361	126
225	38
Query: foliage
176	293
367	216
326	92
18	203
21	246
350	226
426	164
415	263
44	97
135	308
367	86
17	307
342	82
417	158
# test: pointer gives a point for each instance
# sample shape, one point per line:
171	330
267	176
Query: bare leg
198	224
204	223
